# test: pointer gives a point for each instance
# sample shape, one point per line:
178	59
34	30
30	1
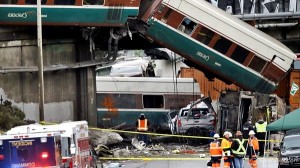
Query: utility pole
40	61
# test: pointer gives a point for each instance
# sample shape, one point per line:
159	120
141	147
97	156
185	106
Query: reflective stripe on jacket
215	149
261	127
142	125
241	149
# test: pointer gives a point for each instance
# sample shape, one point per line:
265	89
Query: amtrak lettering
17	15
21	143
205	57
23	15
19	165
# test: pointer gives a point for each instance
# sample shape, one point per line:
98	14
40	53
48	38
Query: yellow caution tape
151	133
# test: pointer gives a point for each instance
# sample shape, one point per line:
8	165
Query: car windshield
195	112
291	142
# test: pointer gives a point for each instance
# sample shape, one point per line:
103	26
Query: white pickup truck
194	119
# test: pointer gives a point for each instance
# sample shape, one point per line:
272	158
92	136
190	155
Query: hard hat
238	133
230	134
142	114
225	133
216	136
251	132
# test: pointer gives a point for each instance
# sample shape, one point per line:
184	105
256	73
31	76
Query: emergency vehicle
64	145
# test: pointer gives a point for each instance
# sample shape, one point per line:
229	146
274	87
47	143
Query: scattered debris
140	145
121	153
112	165
104	138
102	150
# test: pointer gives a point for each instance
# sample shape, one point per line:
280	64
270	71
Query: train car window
167	15
43	2
240	54
187	26
153	101
64	2
8	1
205	35
161	8
222	45
93	2
257	64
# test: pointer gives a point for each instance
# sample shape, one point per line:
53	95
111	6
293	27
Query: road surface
181	163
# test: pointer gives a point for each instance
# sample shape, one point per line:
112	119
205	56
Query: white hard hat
230	134
225	133
251	132
216	136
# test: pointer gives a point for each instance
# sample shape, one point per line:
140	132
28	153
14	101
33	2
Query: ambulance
64	145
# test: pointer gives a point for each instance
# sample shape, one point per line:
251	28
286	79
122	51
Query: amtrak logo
17	15
24	15
205	57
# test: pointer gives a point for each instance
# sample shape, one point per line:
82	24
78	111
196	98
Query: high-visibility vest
215	149
226	145
241	150
142	125
253	143
261	127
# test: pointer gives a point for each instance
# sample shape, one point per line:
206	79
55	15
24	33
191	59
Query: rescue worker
215	151
142	126
226	146
238	150
253	149
261	130
231	154
246	128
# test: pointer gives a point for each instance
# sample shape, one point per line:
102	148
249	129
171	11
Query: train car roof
146	85
146	79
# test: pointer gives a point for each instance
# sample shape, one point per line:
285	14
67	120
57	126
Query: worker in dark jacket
246	128
238	150
142	126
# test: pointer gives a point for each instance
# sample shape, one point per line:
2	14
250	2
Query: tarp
287	122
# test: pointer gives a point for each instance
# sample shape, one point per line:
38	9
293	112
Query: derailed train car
236	107
218	44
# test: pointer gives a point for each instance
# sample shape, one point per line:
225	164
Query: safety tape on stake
150	133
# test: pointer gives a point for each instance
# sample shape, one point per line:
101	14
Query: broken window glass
187	26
